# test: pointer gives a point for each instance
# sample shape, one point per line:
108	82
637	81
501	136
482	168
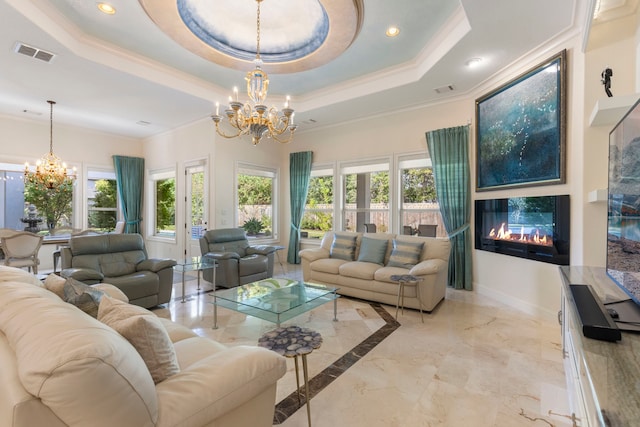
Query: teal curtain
449	152
299	172
130	180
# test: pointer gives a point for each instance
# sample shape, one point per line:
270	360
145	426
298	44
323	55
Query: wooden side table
407	280
294	341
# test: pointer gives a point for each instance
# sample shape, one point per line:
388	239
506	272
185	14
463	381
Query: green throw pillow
405	254
343	247
373	250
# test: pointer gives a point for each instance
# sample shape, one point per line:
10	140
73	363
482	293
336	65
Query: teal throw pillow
405	254
82	296
343	247
373	250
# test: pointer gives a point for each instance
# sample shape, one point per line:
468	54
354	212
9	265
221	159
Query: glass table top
194	263
276	299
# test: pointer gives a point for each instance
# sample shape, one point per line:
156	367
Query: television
623	214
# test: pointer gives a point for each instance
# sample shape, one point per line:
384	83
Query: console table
603	378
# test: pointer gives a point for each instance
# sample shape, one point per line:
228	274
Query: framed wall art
521	129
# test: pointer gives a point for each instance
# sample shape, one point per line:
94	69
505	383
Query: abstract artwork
520	129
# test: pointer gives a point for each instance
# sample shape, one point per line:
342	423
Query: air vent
33	52
444	89
309	122
143	123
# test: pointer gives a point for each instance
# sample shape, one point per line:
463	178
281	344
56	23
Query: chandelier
50	172
257	119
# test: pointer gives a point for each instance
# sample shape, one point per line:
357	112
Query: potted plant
253	226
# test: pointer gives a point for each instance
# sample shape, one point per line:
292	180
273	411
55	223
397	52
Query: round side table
407	280
294	341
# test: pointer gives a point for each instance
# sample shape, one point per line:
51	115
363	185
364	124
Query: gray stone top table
294	341
291	341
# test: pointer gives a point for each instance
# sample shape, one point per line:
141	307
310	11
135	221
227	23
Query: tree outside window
418	198
103	206
53	205
165	192
256	200
318	213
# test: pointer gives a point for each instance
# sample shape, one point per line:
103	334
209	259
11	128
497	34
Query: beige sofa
371	281
62	367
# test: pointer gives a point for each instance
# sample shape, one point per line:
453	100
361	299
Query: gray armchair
238	262
121	260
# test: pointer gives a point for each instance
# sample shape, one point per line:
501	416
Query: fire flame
504	233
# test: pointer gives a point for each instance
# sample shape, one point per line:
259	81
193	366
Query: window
318	211
53	209
256	193
163	190
418	201
102	200
365	190
12	197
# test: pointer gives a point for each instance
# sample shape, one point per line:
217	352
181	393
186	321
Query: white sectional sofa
359	277
62	367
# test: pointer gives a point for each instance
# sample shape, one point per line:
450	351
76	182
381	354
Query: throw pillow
111	290
343	247
405	254
373	250
144	330
55	284
82	296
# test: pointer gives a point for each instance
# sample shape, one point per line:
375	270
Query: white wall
197	141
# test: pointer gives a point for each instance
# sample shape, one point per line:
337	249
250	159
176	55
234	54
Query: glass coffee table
274	300
196	264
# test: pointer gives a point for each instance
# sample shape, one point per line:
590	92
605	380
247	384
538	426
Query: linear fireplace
535	228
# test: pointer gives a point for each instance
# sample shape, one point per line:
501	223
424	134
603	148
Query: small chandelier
50	172
257	120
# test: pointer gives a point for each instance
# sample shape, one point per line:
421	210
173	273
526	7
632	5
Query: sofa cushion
359	270
328	265
145	332
82	296
373	250
14	274
110	290
343	247
405	254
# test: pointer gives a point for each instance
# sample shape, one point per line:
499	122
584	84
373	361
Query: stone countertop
614	367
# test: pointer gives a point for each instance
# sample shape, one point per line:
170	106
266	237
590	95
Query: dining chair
6	232
369	228
21	250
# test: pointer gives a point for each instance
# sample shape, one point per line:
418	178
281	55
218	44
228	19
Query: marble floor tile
473	362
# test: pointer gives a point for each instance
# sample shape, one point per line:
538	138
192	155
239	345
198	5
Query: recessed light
392	31
473	62
106	8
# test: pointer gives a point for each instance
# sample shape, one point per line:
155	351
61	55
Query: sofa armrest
155	264
261	250
314	254
222	255
217	384
82	274
429	266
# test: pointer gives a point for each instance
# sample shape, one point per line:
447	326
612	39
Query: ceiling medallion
299	36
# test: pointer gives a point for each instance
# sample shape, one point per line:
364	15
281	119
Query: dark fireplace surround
535	228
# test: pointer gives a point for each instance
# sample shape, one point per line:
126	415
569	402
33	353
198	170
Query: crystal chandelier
50	172
257	119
